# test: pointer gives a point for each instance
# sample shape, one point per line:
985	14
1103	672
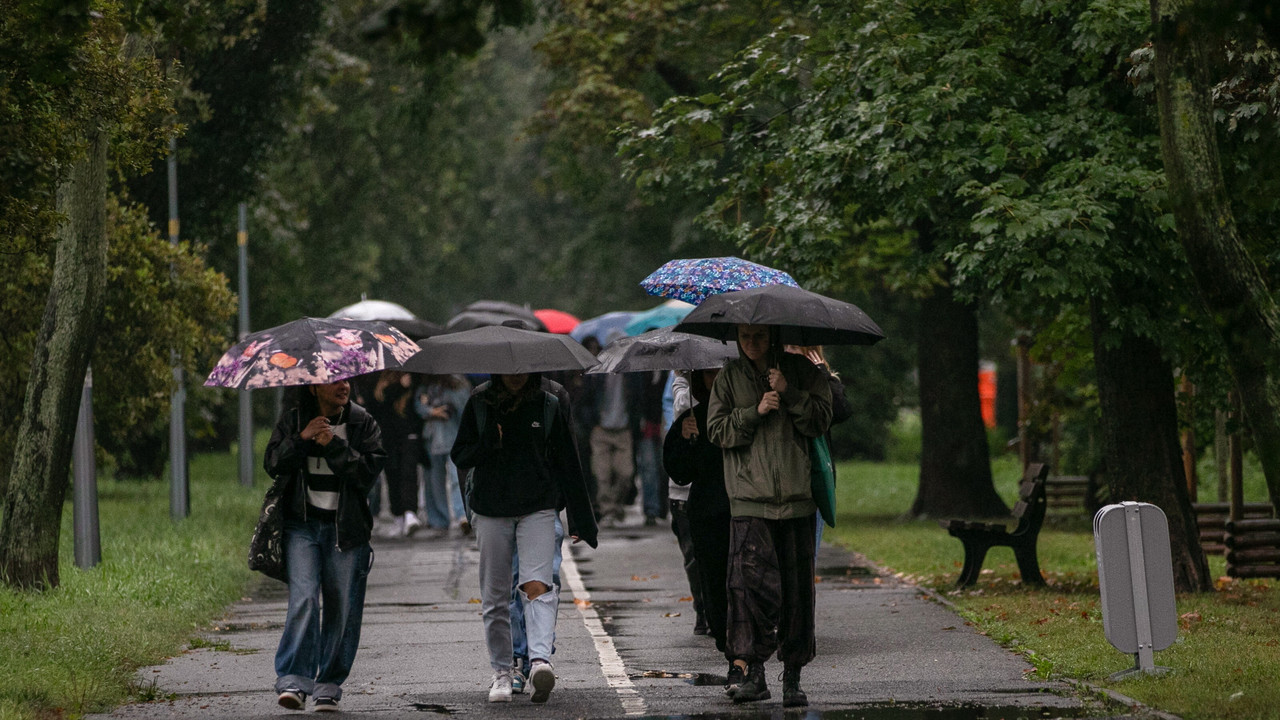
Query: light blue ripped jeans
534	537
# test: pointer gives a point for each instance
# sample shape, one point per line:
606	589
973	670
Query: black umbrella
416	328
805	318
501	350
502	307
472	319
664	349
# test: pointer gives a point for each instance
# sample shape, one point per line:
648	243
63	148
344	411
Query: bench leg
975	553
1028	564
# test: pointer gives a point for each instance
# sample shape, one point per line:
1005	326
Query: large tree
1232	286
94	111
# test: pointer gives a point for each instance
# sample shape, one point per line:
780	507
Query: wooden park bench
1212	517
1069	494
1253	547
979	537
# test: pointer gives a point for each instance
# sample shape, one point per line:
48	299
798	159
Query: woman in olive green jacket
764	408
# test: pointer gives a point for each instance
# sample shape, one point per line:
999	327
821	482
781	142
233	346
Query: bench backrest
1031	505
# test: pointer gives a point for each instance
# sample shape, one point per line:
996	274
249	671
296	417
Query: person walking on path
328	451
841	409
694	463
524	474
439	403
393	409
764	407
612	449
675	401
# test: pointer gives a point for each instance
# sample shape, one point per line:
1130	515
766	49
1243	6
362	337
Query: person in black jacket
328	452
526	470
841	409
690	458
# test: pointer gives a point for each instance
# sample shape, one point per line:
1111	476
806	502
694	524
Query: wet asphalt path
625	647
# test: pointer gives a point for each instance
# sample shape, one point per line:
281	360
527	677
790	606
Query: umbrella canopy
311	351
695	279
664	349
497	349
665	315
373	310
502	307
557	321
472	319
416	328
601	327
805	318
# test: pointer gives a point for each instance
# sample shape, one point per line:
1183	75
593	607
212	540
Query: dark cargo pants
771	592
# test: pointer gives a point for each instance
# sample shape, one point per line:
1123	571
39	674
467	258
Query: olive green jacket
766	457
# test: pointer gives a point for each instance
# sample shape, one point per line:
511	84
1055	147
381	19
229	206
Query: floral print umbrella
695	279
311	351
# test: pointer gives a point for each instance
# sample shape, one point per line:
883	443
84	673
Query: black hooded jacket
524	468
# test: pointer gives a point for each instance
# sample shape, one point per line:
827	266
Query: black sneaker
733	679
293	699
753	687
326	704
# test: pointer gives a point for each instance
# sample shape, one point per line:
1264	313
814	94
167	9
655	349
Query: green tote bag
822	479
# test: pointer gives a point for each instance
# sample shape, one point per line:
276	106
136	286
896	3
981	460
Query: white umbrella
374	310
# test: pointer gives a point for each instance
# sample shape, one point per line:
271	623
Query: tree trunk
1229	282
955	463
1143	458
32	513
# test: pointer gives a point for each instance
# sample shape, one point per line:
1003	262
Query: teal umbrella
665	315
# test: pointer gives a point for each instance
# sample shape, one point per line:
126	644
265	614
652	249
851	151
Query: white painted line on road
615	672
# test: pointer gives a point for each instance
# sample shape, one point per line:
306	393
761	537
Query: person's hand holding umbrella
318	430
689	428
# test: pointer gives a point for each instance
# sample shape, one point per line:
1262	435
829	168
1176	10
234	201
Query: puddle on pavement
696	679
903	711
840	573
431	708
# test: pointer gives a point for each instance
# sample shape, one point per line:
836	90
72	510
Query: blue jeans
519	644
652	479
443	492
326	606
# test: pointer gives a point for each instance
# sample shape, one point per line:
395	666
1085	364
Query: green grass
73	649
1224	661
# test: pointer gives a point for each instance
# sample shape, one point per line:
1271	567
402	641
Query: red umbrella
557	321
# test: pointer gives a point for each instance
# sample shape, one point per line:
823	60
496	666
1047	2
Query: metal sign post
246	400
1135	576
179	500
88	543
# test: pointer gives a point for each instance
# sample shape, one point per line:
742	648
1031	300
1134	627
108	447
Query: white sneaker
500	689
411	523
542	677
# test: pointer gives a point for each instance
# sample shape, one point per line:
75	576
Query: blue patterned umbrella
311	351
695	279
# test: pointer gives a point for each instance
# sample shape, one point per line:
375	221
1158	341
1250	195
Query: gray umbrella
472	319
804	318
664	349
498	349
